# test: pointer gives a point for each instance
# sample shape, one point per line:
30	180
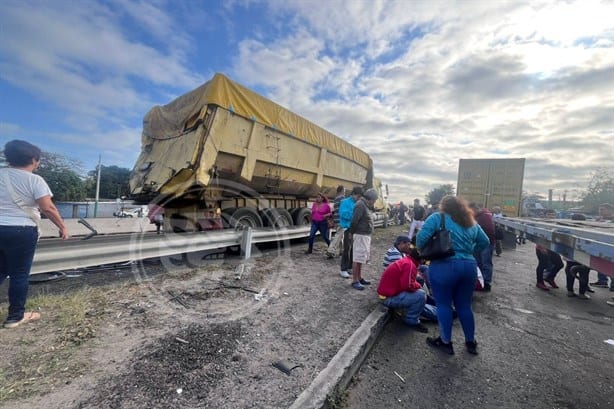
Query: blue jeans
484	260
323	228
17	246
429	312
413	303
453	280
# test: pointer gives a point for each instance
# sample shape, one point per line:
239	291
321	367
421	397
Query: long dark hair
458	209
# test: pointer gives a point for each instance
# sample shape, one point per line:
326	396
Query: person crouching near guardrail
22	194
548	261
399	289
402	248
453	278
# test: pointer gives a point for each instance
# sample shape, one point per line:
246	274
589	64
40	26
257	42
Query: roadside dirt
191	333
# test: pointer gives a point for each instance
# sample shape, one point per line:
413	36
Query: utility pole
97	186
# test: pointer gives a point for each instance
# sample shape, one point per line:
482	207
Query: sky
418	85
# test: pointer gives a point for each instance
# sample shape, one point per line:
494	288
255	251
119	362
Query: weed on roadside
42	354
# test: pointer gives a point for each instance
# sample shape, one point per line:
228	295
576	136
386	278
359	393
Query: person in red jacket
398	289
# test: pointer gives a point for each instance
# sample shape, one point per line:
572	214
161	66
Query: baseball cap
402	239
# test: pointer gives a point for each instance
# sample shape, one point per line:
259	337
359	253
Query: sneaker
27	317
611	303
472	347
418	327
600	285
308	251
344	274
329	255
357	286
486	288
542	286
590	290
364	282
439	344
584	297
551	282
571	294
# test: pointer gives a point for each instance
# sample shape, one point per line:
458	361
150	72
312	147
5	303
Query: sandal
27	317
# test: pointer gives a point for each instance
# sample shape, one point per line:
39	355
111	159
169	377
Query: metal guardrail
56	255
589	245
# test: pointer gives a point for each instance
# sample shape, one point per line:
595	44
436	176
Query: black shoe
590	290
439	344
472	347
486	287
364	282
418	327
308	251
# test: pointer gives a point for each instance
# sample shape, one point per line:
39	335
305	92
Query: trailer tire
277	218
242	218
302	216
286	216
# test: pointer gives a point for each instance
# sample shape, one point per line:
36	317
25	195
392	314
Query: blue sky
418	85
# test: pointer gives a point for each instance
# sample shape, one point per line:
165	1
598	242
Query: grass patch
44	353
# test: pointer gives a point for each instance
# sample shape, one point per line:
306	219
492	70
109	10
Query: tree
60	173
435	195
114	182
600	190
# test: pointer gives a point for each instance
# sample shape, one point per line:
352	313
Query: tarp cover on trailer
171	120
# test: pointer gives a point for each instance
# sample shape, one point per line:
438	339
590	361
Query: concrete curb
335	378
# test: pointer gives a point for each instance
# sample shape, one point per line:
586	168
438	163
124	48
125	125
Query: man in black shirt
418	218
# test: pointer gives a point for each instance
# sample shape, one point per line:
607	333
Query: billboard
492	182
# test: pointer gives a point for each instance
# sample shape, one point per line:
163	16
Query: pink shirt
319	213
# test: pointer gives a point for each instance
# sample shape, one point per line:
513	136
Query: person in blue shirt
453	279
346	212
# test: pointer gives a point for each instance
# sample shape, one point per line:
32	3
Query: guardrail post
246	244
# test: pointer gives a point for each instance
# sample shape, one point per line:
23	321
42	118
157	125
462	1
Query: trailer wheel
276	218
285	217
243	218
302	216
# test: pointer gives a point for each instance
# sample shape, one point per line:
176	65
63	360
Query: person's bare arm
45	204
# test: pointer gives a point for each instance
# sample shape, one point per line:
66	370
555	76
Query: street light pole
97	186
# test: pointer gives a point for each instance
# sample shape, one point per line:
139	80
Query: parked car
135	212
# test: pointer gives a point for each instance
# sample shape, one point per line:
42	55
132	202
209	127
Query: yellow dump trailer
223	151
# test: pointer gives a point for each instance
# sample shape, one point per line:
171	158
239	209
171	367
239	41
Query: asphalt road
536	350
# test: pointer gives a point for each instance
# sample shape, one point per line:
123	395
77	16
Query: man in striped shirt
402	246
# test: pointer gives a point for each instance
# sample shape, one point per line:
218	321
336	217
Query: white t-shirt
27	186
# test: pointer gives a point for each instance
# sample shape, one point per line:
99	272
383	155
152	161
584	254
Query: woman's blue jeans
323	228
17	246
453	281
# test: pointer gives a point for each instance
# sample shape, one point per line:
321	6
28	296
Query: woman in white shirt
22	194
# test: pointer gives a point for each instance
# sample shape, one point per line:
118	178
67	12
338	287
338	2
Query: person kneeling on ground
402	248
398	289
